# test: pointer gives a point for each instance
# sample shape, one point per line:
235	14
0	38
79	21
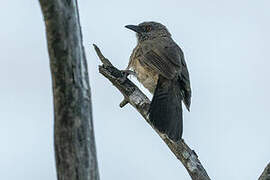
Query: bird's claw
125	73
128	72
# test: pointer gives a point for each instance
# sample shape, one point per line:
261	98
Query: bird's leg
126	73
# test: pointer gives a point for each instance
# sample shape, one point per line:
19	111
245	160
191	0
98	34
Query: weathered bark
74	140
266	173
141	103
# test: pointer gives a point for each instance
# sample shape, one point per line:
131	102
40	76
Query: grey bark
266	173
74	141
133	95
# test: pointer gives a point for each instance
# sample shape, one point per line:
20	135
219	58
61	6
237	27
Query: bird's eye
148	28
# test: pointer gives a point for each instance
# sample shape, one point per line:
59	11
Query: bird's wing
167	59
185	83
162	56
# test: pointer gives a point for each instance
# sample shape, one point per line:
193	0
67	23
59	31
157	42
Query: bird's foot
126	73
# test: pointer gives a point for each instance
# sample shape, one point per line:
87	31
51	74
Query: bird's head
149	30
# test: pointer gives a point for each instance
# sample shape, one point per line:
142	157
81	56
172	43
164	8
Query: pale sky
226	46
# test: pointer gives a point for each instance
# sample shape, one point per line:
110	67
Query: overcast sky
226	46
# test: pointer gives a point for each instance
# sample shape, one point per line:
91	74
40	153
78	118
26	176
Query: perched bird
159	64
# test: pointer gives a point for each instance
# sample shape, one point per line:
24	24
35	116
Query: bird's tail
165	111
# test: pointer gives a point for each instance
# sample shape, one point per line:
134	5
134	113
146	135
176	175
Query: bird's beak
135	28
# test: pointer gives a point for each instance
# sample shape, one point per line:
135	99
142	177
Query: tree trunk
74	141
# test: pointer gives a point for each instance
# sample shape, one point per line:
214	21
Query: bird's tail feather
165	111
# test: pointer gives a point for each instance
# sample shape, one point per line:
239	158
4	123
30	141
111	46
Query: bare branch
266	173
141	103
74	141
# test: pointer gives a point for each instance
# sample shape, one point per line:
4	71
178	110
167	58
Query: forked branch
133	95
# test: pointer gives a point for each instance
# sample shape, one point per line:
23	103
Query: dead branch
133	95
266	173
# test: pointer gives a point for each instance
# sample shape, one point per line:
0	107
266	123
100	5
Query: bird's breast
145	75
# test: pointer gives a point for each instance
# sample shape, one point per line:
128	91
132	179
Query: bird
159	65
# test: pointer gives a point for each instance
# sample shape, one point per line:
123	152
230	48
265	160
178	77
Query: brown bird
159	64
